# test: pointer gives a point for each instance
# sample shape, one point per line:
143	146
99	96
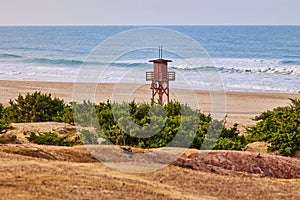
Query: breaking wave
7	55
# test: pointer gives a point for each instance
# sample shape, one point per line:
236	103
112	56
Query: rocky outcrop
242	163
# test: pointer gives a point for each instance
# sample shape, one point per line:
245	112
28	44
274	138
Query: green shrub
36	107
3	123
173	124
279	127
4	126
92	137
66	115
88	138
140	125
49	138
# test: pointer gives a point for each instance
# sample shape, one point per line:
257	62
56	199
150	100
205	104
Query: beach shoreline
240	107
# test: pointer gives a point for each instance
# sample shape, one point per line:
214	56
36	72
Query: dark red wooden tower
160	78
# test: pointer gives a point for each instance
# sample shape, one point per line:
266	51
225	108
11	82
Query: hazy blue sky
148	12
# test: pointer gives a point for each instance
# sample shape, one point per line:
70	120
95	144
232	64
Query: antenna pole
158	51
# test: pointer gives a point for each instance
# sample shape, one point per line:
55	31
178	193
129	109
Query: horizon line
2	25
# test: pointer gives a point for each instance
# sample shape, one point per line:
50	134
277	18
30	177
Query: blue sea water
248	58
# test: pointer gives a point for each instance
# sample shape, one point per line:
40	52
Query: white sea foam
256	66
224	65
232	65
237	74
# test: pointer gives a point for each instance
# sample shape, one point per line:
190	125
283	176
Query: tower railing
149	76
170	76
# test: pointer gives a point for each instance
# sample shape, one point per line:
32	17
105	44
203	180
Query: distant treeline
154	125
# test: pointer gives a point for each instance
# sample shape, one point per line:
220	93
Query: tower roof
160	60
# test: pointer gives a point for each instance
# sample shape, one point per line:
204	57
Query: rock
243	163
8	139
259	147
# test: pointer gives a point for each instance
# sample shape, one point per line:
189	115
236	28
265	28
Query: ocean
247	58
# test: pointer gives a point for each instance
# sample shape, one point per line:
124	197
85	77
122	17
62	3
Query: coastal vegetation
49	138
152	125
279	127
3	122
36	107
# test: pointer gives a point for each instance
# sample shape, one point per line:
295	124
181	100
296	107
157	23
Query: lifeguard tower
160	78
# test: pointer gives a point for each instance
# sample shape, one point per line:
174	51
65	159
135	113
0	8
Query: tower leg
168	94
161	94
153	94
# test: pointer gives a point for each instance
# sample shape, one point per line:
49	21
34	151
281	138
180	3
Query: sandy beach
240	107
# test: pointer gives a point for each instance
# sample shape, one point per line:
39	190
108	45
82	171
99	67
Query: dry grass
47	172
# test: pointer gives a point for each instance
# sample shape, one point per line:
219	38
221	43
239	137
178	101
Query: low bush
49	138
279	127
141	125
92	137
65	115
174	124
36	107
4	126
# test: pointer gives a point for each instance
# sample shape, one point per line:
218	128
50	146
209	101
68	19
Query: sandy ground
240	107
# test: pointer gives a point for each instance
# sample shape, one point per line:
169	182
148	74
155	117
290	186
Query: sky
149	12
